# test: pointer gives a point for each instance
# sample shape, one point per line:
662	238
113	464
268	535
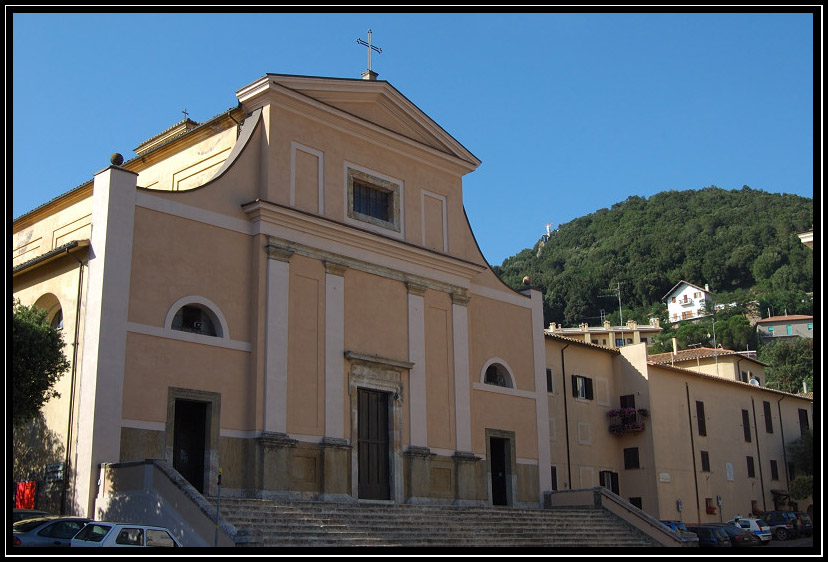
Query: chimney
675	346
706	288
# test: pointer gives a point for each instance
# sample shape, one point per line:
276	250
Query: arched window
196	319
57	320
54	312
498	375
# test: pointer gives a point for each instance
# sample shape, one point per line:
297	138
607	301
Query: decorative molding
415	289
276	440
419	452
279	253
460	298
377	360
335	268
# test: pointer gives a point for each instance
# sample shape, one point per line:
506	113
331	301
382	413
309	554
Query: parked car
52	530
710	536
756	526
106	534
806	527
19	514
781	524
738	537
680	528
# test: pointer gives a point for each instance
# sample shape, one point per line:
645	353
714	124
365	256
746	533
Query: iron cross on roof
370	48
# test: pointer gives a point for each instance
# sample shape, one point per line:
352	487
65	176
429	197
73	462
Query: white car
755	526
106	534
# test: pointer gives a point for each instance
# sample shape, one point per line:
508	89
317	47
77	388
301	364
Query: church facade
290	293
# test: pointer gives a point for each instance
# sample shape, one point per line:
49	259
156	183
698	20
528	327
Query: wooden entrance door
374	445
189	441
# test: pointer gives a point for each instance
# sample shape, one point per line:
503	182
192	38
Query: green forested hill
742	243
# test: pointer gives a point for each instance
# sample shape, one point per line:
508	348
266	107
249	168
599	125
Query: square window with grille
374	200
371	201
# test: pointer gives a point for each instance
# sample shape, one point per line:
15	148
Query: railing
602	498
626	420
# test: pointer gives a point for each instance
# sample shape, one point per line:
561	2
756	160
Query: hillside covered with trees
742	243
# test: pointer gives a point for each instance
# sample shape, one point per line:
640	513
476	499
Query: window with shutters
746	425
700	417
582	387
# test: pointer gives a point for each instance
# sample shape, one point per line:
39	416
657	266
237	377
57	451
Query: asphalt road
800	542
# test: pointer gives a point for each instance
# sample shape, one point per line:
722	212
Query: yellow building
671	440
290	292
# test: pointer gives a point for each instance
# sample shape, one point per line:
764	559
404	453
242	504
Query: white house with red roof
686	301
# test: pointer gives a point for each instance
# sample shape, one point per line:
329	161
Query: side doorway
500	451
609	480
190	441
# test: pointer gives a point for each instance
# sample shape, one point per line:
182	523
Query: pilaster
276	337
104	340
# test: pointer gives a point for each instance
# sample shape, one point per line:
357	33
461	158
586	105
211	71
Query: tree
38	362
802	457
790	363
802	452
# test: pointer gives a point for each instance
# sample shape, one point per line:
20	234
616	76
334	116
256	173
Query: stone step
324	524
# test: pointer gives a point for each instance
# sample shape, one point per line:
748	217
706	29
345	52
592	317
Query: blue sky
569	112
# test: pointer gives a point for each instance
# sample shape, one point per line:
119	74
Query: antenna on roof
620	310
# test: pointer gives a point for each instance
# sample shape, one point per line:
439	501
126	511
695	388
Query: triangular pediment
379	103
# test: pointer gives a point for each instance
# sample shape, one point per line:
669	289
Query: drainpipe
566	418
66	460
758	454
784	449
693	450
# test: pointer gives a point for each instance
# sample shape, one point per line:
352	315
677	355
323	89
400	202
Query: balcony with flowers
626	420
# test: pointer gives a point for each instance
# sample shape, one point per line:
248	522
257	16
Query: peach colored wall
153	364
339	147
174	258
499	329
503	331
725	442
376	309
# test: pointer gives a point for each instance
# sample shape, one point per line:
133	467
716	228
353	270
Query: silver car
52	530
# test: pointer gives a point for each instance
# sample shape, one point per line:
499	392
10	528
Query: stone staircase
277	523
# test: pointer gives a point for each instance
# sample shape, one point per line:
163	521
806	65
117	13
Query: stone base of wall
276	466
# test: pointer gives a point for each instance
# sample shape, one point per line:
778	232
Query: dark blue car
711	537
